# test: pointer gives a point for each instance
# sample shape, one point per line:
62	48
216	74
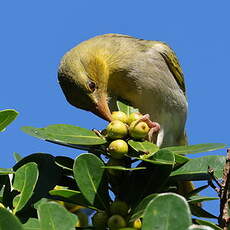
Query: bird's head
95	73
83	76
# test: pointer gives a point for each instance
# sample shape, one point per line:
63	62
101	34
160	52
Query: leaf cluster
45	192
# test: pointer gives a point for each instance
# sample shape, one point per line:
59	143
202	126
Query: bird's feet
154	128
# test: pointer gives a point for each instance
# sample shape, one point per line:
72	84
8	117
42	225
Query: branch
224	219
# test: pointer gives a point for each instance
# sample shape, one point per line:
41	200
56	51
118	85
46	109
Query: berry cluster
121	129
117	218
124	127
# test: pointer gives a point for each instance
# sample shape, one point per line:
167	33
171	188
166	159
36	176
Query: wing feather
172	62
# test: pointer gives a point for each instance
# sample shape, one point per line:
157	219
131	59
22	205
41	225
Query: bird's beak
102	109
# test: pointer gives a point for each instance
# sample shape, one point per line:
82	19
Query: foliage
44	192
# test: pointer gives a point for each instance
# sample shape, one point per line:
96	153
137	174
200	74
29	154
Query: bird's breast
149	86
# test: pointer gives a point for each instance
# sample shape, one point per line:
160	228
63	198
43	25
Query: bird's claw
154	128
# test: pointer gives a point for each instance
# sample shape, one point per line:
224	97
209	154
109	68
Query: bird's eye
92	86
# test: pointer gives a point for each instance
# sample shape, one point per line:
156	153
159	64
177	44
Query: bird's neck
122	86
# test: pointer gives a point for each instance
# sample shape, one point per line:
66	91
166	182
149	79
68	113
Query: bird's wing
172	62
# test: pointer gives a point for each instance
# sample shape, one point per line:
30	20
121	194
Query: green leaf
145	182
199	227
7	195
199	167
198	199
197	190
64	162
53	216
24	181
150	149
6	171
145	147
162	156
208	223
6	117
90	177
8	221
70	196
200	212
41	201
65	134
163	212
121	168
17	157
199	148
126	108
32	224
49	174
138	211
180	159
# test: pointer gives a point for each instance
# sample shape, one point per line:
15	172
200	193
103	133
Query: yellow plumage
145	74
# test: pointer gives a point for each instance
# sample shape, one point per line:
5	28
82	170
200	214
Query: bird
144	74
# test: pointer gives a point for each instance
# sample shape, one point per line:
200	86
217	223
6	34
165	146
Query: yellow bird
145	74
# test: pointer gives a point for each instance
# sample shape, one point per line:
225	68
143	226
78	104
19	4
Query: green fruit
120	116
119	207
138	129
134	117
115	162
99	220
118	149
117	129
127	228
136	224
116	222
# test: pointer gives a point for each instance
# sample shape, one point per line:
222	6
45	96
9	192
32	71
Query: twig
98	133
213	178
224	219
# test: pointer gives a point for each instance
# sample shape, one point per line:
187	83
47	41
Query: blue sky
36	34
